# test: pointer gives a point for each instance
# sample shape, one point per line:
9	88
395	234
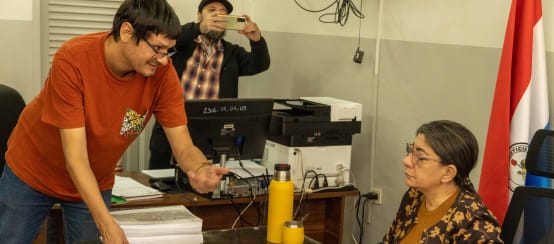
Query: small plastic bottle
281	197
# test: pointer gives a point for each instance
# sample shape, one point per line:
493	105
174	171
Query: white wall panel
16	10
286	16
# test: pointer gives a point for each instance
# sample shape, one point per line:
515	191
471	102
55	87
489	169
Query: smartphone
234	22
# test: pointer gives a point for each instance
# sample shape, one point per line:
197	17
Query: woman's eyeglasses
410	149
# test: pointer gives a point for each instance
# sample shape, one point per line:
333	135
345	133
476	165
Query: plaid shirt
200	78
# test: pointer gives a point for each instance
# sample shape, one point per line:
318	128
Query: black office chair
530	215
11	105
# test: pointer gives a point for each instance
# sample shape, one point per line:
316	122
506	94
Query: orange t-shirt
81	91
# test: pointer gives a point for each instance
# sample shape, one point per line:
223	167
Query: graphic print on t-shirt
133	123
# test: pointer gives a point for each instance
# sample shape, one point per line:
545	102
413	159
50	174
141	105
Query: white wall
461	22
20	49
467	23
17	10
286	16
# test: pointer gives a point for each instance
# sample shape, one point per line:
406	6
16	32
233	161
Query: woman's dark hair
455	145
147	17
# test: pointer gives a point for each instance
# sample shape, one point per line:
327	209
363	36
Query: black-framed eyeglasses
417	159
170	52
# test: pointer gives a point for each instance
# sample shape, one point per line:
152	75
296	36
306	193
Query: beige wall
20	46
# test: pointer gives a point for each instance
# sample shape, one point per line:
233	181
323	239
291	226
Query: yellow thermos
281	196
293	232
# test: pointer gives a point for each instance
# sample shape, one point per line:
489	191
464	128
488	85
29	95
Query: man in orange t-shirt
101	91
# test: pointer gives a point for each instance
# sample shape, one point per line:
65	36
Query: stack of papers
167	225
160	173
130	189
233	165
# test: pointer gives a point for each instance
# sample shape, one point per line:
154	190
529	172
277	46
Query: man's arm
189	31
257	60
203	177
76	157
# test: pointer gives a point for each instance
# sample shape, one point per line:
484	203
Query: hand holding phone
234	22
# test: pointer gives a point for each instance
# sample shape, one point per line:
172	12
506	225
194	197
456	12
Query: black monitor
230	128
224	129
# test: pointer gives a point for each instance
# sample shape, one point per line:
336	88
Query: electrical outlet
378	201
379	193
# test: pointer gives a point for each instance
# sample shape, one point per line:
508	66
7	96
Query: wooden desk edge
197	200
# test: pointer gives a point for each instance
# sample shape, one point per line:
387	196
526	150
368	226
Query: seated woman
441	205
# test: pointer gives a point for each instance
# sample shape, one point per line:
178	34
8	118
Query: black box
308	123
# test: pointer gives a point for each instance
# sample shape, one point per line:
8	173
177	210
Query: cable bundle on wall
341	14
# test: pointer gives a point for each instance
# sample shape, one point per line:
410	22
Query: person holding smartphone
208	66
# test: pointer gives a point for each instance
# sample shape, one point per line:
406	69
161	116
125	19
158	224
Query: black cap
225	3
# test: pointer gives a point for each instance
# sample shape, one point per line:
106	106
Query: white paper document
251	166
159	173
169	224
130	189
169	239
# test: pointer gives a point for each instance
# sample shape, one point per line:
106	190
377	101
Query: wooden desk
242	235
323	223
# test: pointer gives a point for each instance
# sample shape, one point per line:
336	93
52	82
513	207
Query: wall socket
379	192
378	201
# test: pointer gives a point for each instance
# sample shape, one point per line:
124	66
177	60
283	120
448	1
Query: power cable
341	14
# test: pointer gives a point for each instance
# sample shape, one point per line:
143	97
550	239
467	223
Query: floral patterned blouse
467	221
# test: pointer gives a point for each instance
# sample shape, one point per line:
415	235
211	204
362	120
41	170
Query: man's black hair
147	17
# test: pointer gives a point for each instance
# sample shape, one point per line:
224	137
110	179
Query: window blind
69	18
